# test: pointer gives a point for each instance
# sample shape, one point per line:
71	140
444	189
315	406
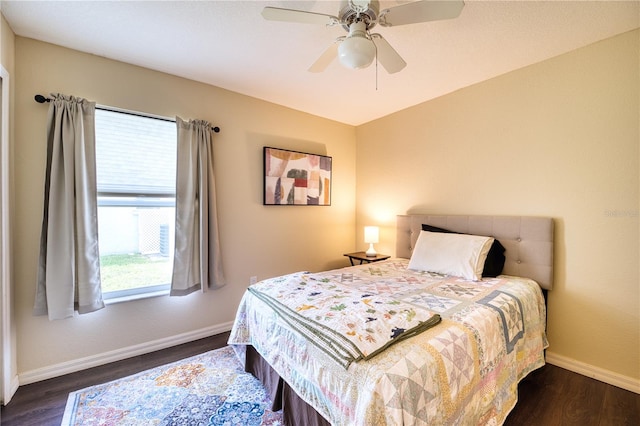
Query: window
136	173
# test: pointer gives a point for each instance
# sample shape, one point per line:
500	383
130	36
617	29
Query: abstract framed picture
296	178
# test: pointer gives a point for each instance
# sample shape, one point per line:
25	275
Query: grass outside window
119	271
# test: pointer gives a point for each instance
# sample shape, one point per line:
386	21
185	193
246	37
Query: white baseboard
606	376
104	358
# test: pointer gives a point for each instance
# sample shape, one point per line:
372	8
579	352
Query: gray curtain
69	264
197	263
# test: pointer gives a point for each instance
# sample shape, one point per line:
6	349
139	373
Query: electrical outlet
253	280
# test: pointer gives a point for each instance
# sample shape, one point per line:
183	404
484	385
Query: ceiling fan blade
420	11
291	15
326	58
387	55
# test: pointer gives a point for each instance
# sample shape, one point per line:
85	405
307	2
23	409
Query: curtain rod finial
41	99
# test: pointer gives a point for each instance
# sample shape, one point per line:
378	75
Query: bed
457	358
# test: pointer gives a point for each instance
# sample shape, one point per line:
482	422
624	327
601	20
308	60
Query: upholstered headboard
528	241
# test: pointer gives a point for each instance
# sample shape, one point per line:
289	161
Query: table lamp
371	237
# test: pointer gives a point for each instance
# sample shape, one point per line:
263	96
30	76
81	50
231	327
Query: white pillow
460	255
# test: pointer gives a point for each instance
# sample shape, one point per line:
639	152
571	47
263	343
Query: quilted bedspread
465	370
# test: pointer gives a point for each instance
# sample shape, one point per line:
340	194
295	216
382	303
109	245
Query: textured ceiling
228	44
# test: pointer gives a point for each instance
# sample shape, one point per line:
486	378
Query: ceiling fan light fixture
357	50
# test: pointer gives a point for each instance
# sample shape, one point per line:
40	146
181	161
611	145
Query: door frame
8	376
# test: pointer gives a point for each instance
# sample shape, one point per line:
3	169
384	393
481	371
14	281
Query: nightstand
362	257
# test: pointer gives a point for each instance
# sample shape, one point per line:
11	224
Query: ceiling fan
359	47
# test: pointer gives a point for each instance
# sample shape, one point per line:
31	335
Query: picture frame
296	178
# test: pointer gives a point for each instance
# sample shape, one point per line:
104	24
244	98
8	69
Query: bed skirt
295	411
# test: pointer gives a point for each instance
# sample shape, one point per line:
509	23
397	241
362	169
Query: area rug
207	389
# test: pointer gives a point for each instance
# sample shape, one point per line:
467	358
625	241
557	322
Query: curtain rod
41	99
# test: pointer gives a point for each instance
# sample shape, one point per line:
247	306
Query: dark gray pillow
495	258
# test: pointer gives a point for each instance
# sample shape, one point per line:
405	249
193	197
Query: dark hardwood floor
553	396
549	396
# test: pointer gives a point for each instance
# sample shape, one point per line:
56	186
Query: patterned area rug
207	389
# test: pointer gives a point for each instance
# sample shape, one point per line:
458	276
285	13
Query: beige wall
560	139
256	240
6	44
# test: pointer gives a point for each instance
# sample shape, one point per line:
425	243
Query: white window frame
155	200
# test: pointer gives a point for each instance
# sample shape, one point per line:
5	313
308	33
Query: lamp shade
371	234
357	50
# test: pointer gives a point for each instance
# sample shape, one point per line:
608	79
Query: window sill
129	298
